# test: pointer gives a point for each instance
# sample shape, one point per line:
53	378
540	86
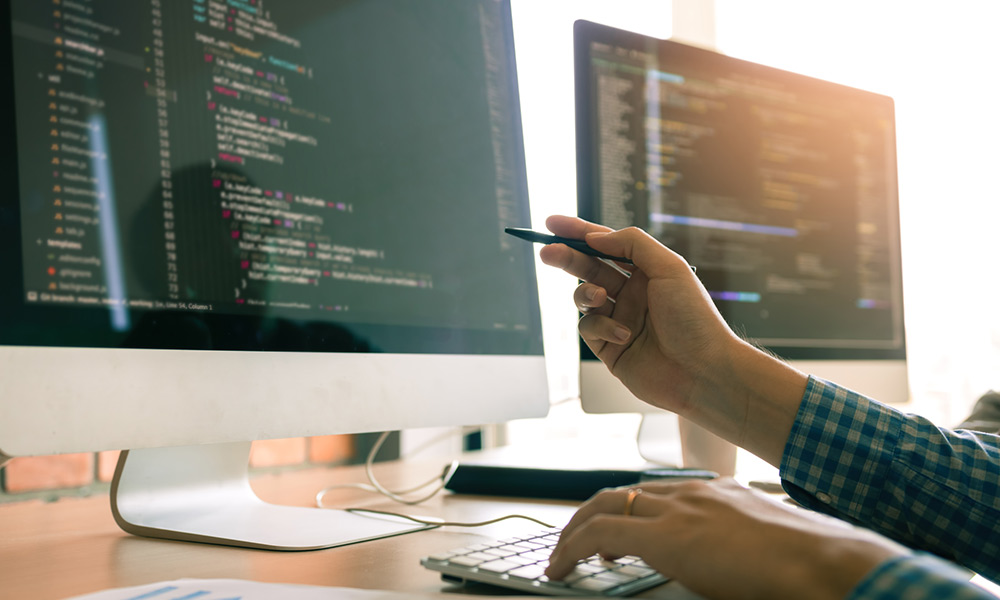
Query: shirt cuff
918	576
839	451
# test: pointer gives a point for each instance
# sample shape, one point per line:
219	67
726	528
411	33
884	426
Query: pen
545	238
580	245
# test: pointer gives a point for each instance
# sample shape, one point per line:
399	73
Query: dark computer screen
254	174
780	188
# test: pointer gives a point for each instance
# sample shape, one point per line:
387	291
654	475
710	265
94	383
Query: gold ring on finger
633	493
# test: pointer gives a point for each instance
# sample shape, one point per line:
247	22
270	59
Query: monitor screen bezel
61	397
586	33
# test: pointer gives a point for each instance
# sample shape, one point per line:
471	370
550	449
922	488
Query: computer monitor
781	189
232	221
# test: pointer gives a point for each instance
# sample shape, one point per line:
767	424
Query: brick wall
31	477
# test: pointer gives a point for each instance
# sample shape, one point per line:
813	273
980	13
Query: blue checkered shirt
935	490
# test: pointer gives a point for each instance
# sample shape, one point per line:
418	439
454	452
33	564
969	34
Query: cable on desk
440	480
397	496
437	523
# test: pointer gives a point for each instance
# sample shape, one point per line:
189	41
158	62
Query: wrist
842	564
748	397
826	556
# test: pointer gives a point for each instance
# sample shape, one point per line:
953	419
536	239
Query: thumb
655	259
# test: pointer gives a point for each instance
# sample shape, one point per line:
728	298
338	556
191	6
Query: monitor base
203	494
658	439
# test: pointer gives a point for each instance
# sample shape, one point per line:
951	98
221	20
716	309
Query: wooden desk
73	546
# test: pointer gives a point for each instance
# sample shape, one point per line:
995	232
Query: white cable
397	496
437	523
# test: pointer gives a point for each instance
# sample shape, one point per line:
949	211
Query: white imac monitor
781	189
231	221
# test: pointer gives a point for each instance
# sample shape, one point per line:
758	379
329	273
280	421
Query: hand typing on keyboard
520	563
721	540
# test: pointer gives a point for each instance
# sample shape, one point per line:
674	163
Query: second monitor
780	188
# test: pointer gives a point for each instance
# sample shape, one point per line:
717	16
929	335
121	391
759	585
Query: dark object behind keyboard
524	482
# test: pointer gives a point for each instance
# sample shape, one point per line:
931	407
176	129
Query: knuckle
691	488
592	269
602	494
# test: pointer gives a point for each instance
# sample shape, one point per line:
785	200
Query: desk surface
73	546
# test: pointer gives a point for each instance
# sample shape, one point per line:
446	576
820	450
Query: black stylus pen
545	238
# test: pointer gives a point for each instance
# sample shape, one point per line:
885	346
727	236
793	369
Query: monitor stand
203	494
666	439
659	440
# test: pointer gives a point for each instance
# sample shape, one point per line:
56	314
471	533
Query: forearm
749	398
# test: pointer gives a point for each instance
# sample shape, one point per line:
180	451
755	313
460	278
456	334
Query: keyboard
519	563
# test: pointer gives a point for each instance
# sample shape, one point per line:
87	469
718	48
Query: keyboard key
537	555
498	566
593	584
590	568
481	556
613	576
465	561
597	561
528	572
440	556
532	545
575	575
636	571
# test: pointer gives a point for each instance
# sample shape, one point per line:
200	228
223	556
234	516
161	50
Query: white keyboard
519	563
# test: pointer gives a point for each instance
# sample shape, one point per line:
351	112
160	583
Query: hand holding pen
576	244
655	325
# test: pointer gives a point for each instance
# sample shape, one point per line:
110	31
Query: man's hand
653	325
722	540
656	328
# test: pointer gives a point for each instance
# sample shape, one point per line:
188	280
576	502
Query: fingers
596	329
572	227
612	501
584	267
668	487
655	259
649	255
590	298
596	326
601	527
608	502
577	264
605	535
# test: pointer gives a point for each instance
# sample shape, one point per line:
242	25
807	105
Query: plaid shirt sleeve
930	488
918	577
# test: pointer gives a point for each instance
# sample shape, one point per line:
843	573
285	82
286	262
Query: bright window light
937	60
543	42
